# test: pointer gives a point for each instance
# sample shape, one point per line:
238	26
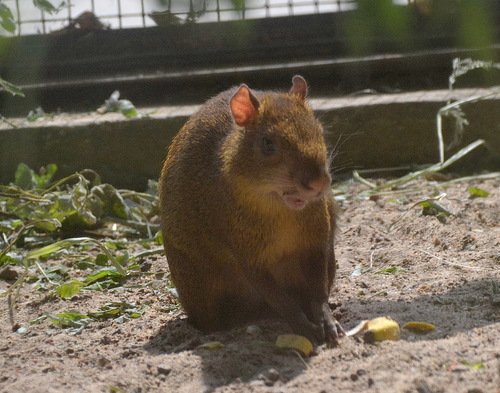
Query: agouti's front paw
315	333
333	331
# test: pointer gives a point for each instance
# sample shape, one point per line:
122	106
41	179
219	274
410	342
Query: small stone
105	340
22	330
361	372
354	377
268	382
8	274
273	374
254	330
371	382
475	390
163	370
103	362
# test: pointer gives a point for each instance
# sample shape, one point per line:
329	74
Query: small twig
362	180
449	263
436	198
7	121
486	176
300	357
44	274
444	110
13	240
11	297
382	292
371	259
148	253
433	168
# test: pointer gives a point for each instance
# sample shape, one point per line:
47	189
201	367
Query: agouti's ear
244	105
299	86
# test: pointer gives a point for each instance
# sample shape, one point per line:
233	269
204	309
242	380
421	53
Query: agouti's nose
318	185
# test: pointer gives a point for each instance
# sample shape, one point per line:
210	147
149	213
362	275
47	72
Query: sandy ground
422	269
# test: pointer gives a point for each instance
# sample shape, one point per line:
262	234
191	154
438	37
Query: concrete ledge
368	131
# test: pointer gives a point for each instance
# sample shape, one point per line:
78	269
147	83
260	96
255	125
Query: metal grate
118	14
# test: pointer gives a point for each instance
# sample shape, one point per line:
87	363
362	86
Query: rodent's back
191	180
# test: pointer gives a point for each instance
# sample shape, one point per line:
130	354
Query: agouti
248	215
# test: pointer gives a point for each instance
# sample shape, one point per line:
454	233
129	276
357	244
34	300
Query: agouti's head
278	148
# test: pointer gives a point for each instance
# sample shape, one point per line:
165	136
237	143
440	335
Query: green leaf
104	274
48	250
25	177
46	175
238	4
158	239
7	226
11	259
67	319
113	203
116	309
56	273
431	208
473	365
101	260
47	6
35	114
11	88
476	192
114	104
61	245
389	270
69	289
6	21
48	225
127	109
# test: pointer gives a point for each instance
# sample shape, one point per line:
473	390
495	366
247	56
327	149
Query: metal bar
70	18
119	14
18	18
42	13
143	14
217	10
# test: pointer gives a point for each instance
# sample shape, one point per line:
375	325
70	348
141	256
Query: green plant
460	67
38	213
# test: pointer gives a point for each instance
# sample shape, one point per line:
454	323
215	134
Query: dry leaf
419	327
211	345
378	329
293	341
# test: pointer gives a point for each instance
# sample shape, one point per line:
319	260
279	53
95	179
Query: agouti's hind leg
199	290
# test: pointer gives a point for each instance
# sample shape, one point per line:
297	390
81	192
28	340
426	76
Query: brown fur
233	246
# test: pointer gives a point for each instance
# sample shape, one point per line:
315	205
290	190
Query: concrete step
366	130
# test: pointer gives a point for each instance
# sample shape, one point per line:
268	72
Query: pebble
254	330
163	370
22	330
273	374
103	362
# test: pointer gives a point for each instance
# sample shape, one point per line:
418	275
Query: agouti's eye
267	146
